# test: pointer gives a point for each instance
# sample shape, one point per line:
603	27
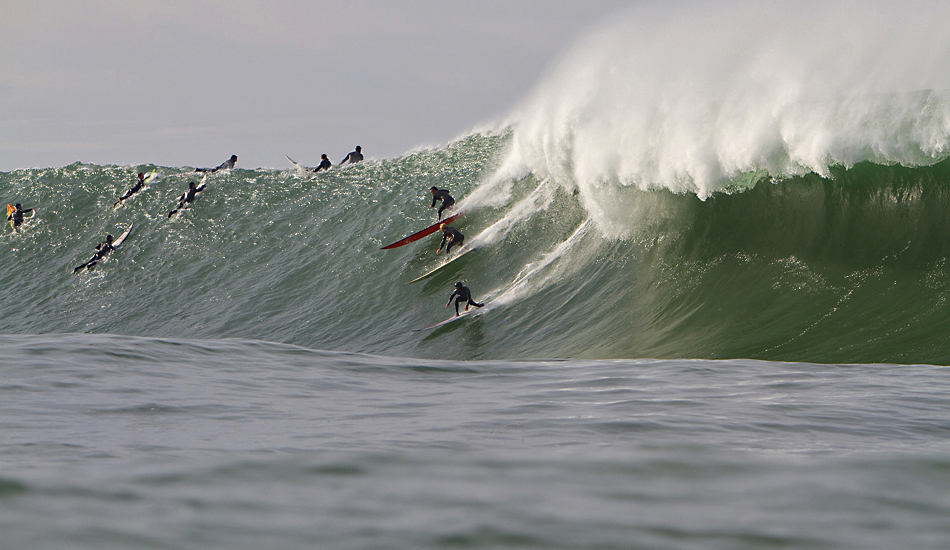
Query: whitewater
713	247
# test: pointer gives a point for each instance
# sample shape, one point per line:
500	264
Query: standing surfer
102	249
353	157
441	195
188	197
464	295
452	236
325	164
16	216
226	165
139	183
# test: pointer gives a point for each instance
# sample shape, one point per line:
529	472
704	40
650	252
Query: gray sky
190	82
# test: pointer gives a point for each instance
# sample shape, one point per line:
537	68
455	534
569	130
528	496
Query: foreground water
117	442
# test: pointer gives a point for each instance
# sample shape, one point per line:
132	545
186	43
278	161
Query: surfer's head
358	148
191	184
324	157
109	238
141	175
18	206
433	189
233	157
458	284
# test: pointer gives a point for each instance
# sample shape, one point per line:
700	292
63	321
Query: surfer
188	197
452	236
464	295
353	157
441	195
226	165
325	164
139	183
16	216
102	249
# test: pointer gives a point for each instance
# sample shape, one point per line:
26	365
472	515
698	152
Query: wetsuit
464	295
325	164
17	216
226	165
442	195
453	237
102	249
139	184
354	156
189	196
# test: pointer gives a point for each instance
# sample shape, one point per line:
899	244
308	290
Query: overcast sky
191	82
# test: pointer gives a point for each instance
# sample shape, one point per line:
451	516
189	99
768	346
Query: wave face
677	187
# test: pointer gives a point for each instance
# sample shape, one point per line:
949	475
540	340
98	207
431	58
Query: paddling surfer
325	164
353	157
462	294
452	236
17	216
441	195
139	184
188	197
102	249
226	165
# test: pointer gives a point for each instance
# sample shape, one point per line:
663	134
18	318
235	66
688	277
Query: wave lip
691	102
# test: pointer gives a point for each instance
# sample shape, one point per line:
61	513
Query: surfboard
122	237
424	233
296	164
10	210
439	267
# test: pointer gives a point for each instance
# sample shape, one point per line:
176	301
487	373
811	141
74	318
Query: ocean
716	303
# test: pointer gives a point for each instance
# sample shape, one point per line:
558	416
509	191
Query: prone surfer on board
353	157
139	183
102	249
441	195
464	295
226	165
325	164
16	216
452	236
188	197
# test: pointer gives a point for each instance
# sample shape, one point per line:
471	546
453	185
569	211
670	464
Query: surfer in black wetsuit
325	164
102	249
353	157
17	216
189	196
139	184
464	295
441	195
452	236
226	165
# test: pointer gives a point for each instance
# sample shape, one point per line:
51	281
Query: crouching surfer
462	294
441	195
102	249
188	197
452	236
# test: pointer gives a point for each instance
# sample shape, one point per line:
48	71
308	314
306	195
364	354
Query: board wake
424	233
454	318
442	265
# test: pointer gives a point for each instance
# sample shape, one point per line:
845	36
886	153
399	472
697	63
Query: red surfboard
425	232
